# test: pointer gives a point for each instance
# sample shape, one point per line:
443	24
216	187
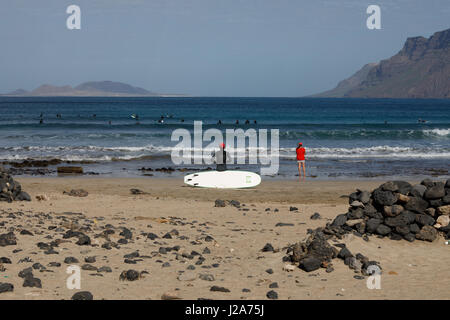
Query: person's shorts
301	161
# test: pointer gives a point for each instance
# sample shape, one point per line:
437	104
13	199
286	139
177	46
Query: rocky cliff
421	69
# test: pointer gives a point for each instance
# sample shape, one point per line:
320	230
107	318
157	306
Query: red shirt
300	153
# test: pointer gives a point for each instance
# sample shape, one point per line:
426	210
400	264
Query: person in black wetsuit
220	158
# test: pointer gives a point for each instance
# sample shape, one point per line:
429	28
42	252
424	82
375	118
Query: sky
258	48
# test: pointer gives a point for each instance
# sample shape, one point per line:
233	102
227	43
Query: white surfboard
229	179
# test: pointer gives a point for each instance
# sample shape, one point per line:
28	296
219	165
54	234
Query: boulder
427	233
355	213
443	221
6	287
443	210
384	198
435	192
372	224
83	295
310	263
418	190
416	204
427	183
389	186
392	211
339	220
424	220
364	197
383	230
8	239
404	187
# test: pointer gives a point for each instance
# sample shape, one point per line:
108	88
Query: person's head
300	145
222	145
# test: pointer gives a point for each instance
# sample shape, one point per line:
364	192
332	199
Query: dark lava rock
89	259
219	289
6	287
83	240
137	191
434	192
409	237
70	260
272	295
132	255
27	272
104	269
293	209
76	192
267	248
404	187
283	224
130	275
315	216
402	230
372	224
344	253
38	266
416	204
126	233
418	190
23	196
167	236
26	233
427	233
427	183
83	295
309	264
414	228
88	267
424	220
389	186
32	282
340	220
219	203
273	285
152	236
5	260
383	230
7	239
384	198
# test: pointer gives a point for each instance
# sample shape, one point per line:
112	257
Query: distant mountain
112	87
420	70
89	89
17	92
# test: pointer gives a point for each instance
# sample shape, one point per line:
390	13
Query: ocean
344	138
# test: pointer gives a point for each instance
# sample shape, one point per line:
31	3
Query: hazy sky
205	47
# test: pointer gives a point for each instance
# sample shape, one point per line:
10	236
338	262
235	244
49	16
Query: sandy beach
218	246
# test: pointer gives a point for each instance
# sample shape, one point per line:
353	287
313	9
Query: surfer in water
220	158
301	161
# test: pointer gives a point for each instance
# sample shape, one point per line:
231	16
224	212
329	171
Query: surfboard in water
223	179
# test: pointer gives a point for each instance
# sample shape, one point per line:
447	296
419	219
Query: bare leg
304	171
299	172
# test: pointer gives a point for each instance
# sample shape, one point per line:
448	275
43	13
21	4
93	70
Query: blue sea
344	138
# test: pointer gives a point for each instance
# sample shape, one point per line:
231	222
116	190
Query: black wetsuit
221	160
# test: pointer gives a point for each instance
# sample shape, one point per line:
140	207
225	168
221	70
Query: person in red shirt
301	161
